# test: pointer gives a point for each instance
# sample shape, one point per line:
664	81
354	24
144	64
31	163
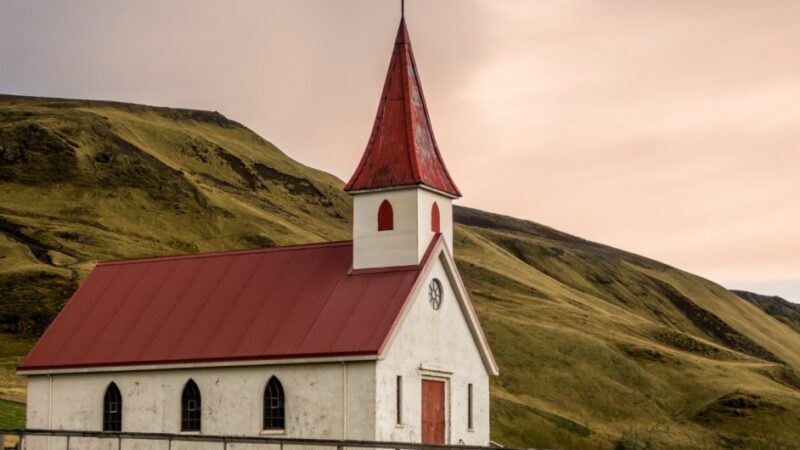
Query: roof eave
204	364
475	326
450	195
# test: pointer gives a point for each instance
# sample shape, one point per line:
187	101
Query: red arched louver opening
385	216
435	227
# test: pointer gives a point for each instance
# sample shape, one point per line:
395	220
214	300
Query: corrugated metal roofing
402	150
288	302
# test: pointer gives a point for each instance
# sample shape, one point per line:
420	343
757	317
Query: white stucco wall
325	400
425	200
232	400
434	344
407	242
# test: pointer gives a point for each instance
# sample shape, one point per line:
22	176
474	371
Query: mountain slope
594	341
101	180
777	307
595	345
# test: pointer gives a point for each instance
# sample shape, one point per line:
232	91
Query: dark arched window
435	227
385	216
190	407
112	409
274	406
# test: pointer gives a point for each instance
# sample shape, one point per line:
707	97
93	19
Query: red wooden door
433	412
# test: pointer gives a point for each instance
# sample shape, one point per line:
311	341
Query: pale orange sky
667	128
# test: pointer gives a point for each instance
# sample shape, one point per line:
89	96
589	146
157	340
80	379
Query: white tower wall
406	244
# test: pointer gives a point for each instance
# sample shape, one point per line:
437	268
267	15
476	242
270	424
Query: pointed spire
402	150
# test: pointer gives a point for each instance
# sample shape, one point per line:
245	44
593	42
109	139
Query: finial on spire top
402	9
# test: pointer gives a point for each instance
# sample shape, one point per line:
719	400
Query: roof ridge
226	253
406	62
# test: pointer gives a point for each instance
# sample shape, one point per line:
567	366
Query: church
369	339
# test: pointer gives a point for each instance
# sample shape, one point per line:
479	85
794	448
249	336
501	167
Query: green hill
597	347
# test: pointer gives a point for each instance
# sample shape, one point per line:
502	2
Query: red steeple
402	150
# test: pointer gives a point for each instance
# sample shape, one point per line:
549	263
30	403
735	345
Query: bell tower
402	193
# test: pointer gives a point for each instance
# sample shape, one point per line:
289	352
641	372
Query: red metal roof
402	150
288	302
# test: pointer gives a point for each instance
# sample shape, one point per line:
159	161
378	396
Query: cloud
665	128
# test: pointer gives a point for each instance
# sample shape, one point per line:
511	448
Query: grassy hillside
777	307
597	347
87	181
595	343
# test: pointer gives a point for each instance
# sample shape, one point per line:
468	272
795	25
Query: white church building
369	339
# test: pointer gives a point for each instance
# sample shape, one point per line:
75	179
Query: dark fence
224	442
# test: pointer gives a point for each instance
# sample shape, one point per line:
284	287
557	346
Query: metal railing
223	441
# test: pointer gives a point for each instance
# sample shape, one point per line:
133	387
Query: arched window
274	406
112	409
385	216
190	407
435	227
